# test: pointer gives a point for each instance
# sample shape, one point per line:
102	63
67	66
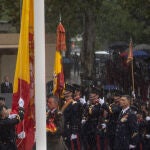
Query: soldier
126	135
90	121
7	128
146	145
141	130
54	125
114	111
71	120
78	109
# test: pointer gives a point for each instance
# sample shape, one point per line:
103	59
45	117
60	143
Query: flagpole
133	88
40	91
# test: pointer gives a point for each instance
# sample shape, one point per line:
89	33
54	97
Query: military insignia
51	127
110	109
124	118
134	134
90	110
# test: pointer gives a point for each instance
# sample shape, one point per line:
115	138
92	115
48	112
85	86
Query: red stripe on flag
28	126
23	92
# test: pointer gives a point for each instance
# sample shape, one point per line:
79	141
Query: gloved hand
21	113
147	118
103	125
147	136
83	121
11	116
131	146
82	100
101	101
133	94
21	102
73	136
22	135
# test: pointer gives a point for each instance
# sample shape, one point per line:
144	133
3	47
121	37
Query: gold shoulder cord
134	134
66	105
90	109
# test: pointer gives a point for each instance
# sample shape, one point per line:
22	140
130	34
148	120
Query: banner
24	77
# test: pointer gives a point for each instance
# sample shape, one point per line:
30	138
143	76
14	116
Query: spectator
6	86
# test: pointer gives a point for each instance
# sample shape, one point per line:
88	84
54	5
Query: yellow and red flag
58	81
24	77
130	54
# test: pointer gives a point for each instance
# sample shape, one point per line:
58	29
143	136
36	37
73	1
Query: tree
10	12
101	22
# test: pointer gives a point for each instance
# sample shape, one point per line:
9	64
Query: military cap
69	88
95	90
77	87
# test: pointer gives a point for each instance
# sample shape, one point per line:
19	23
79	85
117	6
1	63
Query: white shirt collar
124	110
53	110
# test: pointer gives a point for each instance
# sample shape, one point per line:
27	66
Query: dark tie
120	115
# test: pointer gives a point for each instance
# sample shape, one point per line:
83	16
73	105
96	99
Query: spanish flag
130	54
23	87
58	81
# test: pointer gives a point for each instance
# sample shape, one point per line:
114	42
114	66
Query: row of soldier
88	124
94	124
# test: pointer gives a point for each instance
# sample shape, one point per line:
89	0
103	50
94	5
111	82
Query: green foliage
115	19
116	24
10	12
139	10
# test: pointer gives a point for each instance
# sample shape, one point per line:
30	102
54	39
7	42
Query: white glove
133	94
83	121
21	102
147	136
131	146
82	100
73	136
11	116
101	101
103	125
22	135
147	118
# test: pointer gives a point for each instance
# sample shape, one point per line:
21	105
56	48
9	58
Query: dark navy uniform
54	130
7	132
72	119
141	129
67	109
146	144
114	111
89	129
126	130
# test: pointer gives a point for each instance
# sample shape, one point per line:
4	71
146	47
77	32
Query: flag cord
21	139
133	87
